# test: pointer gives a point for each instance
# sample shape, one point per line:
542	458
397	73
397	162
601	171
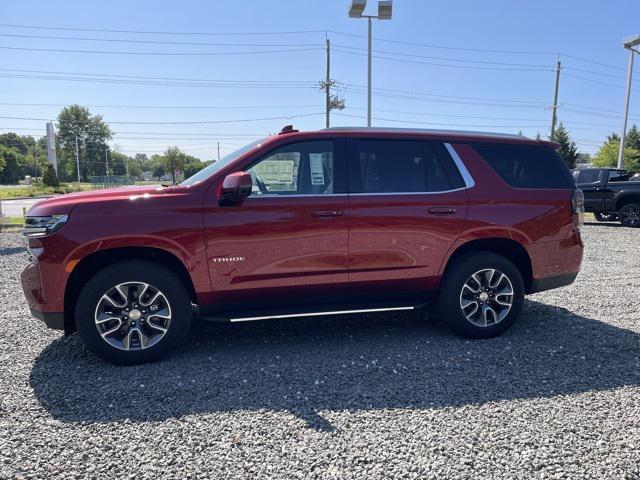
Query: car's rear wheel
630	215
481	295
605	216
133	312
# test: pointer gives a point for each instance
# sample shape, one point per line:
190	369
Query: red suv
336	221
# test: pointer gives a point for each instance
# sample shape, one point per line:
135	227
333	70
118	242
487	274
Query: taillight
577	205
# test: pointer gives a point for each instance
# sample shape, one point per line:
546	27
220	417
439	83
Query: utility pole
554	108
78	162
327	90
218	151
106	161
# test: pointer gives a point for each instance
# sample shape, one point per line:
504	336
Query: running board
237	317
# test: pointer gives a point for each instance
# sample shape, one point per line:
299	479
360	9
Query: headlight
37	226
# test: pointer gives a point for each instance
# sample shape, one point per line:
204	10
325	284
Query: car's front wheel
481	295
133	312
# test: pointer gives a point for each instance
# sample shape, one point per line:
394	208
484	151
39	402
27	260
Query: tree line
77	129
607	155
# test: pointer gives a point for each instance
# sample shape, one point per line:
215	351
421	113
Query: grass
20	191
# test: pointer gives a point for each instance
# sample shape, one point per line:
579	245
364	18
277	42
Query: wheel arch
627	198
91	264
508	248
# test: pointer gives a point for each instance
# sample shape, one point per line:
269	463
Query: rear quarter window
526	166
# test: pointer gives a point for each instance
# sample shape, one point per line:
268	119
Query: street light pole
369	73
628	43
356	10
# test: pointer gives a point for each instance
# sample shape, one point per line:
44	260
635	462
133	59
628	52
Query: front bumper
53	320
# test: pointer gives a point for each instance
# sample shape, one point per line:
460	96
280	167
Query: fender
484	233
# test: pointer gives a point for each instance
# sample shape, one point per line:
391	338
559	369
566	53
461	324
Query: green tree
568	150
49	178
613	138
14	163
156	166
633	138
607	156
174	161
91	132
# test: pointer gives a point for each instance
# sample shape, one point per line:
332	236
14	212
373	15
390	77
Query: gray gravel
373	396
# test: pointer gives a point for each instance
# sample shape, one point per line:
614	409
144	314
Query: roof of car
429	131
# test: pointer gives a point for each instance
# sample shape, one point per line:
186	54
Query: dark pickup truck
611	194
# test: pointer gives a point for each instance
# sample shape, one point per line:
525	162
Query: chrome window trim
440	192
299	195
466	176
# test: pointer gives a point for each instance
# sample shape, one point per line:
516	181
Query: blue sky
415	85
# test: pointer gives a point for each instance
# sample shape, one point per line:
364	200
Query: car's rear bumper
549	283
555	264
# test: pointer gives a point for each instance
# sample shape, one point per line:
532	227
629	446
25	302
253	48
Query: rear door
407	205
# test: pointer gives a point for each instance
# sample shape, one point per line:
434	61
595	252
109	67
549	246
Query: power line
445	58
599	73
188	54
165	107
446	47
148	77
203	122
468	67
160	42
152	32
594	81
442	124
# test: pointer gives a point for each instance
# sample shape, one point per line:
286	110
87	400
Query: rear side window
526	166
399	166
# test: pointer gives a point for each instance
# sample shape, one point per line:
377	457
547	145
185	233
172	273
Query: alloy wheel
486	297
133	316
630	216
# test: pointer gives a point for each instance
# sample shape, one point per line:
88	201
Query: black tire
605	216
452	285
630	215
160	278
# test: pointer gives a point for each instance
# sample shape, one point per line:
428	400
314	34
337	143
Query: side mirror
235	187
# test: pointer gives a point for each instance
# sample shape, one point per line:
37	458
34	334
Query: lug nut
125	318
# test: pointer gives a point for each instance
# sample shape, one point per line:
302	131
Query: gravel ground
371	396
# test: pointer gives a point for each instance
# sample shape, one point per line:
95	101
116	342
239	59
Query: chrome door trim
466	176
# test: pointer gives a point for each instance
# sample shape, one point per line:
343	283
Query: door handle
327	213
442	211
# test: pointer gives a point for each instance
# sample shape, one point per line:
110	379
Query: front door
407	206
591	182
286	244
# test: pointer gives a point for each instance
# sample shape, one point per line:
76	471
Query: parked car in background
336	221
611	194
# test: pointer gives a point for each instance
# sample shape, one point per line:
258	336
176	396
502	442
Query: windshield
223	162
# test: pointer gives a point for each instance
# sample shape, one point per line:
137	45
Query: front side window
304	168
588	176
398	166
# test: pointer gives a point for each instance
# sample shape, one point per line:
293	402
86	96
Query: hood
63	204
